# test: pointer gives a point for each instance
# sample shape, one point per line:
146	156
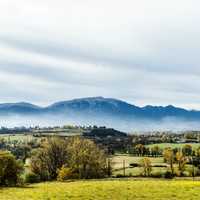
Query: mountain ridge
95	106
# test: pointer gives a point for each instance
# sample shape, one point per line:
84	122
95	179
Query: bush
168	175
10	170
120	176
132	165
32	178
66	173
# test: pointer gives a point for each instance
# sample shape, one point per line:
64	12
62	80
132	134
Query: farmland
106	190
124	161
174	145
119	160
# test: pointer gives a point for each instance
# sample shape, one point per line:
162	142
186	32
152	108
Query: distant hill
104	132
19	108
99	111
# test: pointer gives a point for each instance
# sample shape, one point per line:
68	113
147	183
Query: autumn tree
49	158
145	163
181	160
86	158
169	157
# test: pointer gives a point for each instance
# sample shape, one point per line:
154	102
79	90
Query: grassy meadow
174	145
117	164
106	190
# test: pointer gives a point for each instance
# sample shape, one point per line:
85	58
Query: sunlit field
174	145
106	190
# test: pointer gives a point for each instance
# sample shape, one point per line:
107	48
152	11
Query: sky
143	52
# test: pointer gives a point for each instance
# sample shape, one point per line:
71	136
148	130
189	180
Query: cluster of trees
79	158
173	157
180	157
57	158
142	150
155	151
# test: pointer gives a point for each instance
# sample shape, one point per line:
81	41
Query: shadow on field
18	187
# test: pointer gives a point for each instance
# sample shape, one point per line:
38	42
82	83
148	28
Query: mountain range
99	110
95	106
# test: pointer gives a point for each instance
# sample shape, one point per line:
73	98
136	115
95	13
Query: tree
47	160
10	169
155	150
86	158
168	155
181	159
145	163
140	149
187	150
198	152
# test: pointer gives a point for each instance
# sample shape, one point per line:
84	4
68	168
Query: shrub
66	173
168	175
132	165
120	176
32	178
10	169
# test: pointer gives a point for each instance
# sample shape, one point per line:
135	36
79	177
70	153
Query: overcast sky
140	51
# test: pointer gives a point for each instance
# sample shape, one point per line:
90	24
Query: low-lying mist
166	124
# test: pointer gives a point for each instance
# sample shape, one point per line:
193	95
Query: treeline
56	159
156	151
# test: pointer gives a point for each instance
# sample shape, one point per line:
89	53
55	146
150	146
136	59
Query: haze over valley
101	112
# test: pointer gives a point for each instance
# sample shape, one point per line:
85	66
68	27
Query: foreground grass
106	190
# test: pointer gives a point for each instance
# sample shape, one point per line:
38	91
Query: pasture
174	145
140	189
120	161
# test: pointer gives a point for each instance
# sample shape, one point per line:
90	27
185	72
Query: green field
117	164
16	137
107	190
174	145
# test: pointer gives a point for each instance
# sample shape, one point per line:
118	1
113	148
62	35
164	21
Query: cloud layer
144	52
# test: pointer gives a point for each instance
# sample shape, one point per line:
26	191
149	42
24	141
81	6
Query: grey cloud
143	52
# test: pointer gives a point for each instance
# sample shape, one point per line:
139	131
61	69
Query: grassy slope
106	190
